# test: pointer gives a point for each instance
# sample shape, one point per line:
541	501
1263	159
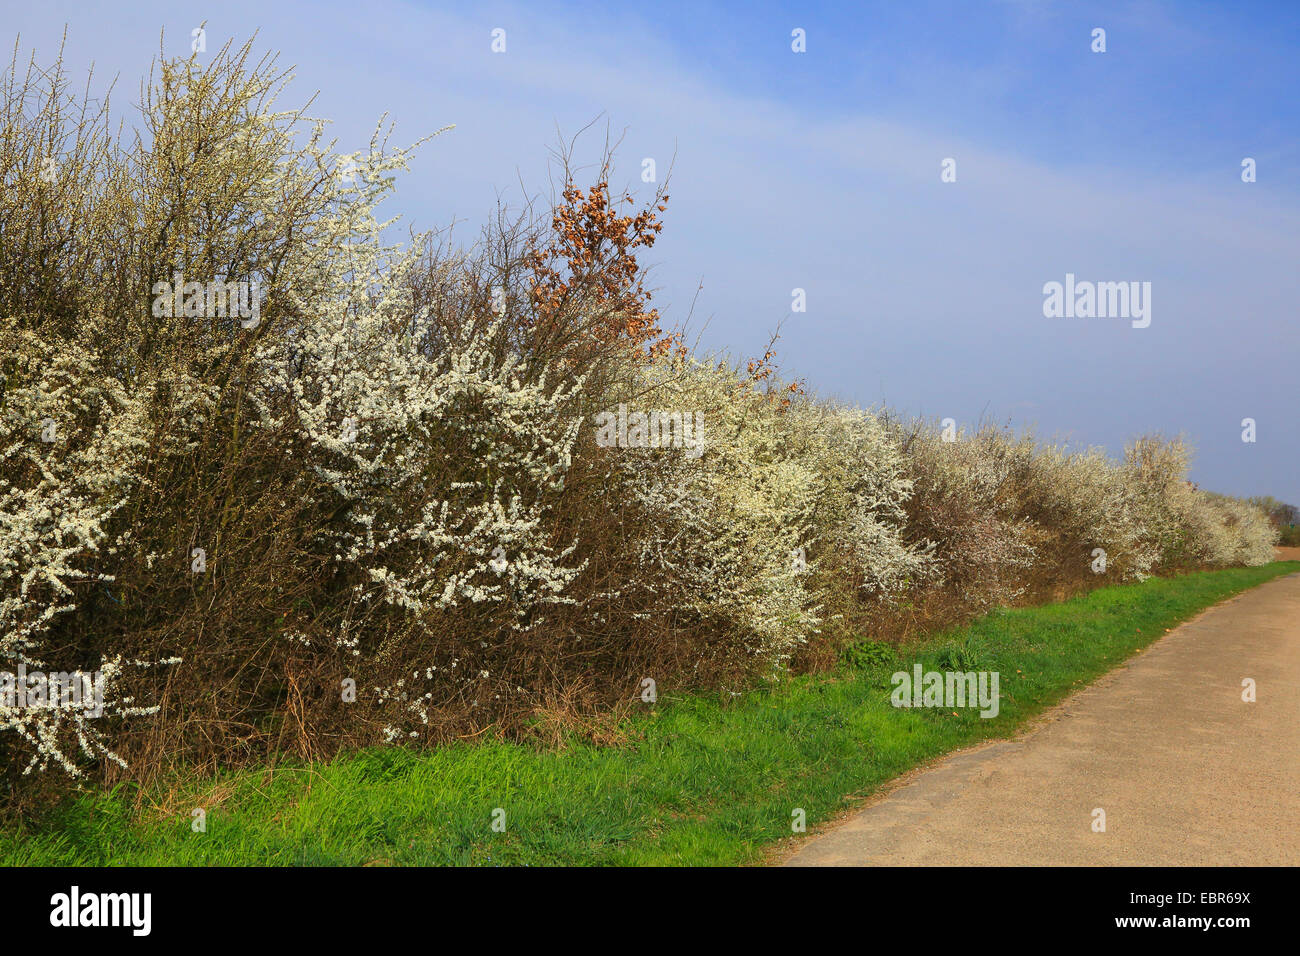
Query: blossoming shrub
1014	520
967	502
1284	517
1089	508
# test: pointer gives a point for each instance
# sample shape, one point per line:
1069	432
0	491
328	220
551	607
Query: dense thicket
252	457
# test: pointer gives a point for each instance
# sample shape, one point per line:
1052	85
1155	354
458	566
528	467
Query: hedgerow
291	489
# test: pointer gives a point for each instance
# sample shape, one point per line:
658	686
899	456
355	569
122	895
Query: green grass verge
704	780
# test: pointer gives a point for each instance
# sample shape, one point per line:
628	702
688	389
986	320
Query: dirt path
1186	772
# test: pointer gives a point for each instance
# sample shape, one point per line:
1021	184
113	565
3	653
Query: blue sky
821	170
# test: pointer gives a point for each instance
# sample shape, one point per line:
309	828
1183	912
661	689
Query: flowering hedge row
414	493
